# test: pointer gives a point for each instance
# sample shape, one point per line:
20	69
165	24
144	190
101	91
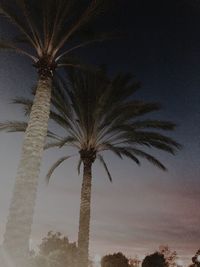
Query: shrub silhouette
154	260
115	260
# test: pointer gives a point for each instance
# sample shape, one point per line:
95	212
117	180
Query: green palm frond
101	159
54	166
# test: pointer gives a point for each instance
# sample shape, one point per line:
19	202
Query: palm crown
52	29
100	114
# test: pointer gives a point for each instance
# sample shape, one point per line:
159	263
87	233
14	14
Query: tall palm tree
98	115
49	31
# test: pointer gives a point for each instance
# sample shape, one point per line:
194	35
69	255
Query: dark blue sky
162	48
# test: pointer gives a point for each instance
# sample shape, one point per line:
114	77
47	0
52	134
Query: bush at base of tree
115	260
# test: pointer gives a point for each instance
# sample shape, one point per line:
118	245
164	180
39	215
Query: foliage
196	259
154	260
49	31
100	114
170	256
115	260
55	251
134	262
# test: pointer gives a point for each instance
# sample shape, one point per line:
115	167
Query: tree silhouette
48	32
170	256
196	259
115	260
154	260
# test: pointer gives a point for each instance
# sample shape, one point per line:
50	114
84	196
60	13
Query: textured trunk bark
84	220
20	218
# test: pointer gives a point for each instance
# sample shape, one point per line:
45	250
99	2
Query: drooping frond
127	153
79	166
101	159
148	157
54	166
25	103
108	146
69	140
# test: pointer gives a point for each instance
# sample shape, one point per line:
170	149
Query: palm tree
98	115
49	32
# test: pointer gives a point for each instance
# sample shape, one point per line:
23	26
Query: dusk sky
144	207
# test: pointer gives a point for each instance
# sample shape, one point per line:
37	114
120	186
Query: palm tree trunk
84	219
20	218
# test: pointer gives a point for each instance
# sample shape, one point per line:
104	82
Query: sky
143	207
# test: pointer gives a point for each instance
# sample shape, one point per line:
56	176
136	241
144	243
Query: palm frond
90	12
33	29
13	126
75	62
11	46
20	126
110	147
7	10
156	124
100	37
148	157
25	103
69	140
101	159
52	144
79	166
155	136
127	153
56	117
54	166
